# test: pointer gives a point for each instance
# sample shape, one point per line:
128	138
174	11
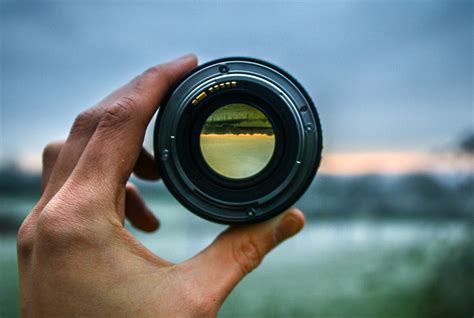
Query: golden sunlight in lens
237	141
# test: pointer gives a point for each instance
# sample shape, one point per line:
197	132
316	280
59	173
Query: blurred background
390	214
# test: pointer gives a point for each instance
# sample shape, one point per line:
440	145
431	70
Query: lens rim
283	87
278	130
245	191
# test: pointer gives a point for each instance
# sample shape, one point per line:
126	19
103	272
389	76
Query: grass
356	269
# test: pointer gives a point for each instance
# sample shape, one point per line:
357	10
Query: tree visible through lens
237	141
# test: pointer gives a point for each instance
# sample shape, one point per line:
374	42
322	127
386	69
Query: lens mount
286	118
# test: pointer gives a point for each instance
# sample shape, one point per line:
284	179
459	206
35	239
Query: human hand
75	256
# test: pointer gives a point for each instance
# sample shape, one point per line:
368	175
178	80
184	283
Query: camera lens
238	140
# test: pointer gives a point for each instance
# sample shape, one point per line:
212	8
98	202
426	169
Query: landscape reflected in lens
237	141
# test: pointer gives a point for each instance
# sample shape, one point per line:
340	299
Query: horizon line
337	163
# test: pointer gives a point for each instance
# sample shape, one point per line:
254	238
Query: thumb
237	251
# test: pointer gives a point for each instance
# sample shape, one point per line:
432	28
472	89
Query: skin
75	256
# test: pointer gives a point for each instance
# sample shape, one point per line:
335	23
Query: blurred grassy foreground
409	259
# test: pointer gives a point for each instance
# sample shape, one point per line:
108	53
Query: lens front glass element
237	141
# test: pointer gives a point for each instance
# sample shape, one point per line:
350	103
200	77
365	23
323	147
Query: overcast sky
386	76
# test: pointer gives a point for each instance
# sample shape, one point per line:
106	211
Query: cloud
386	76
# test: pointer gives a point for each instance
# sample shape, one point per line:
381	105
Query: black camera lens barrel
238	81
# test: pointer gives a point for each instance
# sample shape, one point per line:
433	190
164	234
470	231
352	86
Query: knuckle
51	151
56	229
51	226
158	72
119	113
246	254
70	221
25	237
85	122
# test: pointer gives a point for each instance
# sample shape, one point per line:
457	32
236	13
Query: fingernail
288	227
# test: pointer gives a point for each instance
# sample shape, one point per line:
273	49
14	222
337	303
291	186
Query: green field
237	156
350	268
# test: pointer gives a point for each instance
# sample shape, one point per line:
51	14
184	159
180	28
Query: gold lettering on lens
212	89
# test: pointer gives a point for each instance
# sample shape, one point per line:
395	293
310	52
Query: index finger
116	142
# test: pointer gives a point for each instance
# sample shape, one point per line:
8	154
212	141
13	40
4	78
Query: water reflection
237	141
